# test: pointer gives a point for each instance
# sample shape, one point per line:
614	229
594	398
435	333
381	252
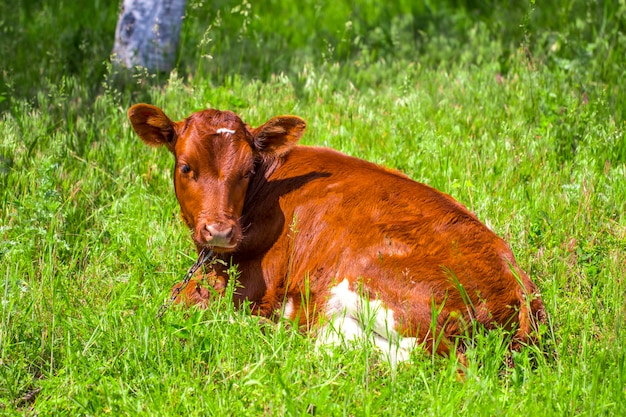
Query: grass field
516	109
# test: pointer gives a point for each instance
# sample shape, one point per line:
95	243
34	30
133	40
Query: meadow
517	109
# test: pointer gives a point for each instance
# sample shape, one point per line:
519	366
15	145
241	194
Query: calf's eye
185	169
248	174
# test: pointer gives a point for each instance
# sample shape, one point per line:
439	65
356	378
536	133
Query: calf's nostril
220	231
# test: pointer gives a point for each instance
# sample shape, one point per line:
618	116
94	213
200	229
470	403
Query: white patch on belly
288	309
352	317
224	130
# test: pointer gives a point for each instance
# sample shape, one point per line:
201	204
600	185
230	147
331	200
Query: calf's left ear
278	135
152	125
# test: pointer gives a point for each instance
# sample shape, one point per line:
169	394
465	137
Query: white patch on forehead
353	317
224	130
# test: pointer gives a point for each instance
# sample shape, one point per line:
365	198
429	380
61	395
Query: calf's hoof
193	294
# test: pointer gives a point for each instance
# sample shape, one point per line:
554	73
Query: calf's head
215	157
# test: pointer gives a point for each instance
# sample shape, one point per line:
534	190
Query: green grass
517	110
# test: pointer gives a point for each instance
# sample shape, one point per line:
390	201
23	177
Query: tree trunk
147	34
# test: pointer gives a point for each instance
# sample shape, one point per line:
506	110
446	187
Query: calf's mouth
221	236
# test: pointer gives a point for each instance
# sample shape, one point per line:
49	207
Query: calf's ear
152	125
278	135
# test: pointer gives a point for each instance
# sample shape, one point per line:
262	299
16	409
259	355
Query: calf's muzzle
218	235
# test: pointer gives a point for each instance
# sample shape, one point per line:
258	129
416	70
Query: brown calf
327	239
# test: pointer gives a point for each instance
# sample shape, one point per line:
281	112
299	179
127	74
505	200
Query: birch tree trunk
147	34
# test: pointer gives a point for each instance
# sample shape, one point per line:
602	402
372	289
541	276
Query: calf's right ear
152	125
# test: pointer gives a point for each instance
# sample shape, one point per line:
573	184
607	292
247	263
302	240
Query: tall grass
516	109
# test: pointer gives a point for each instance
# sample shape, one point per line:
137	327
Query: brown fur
297	220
